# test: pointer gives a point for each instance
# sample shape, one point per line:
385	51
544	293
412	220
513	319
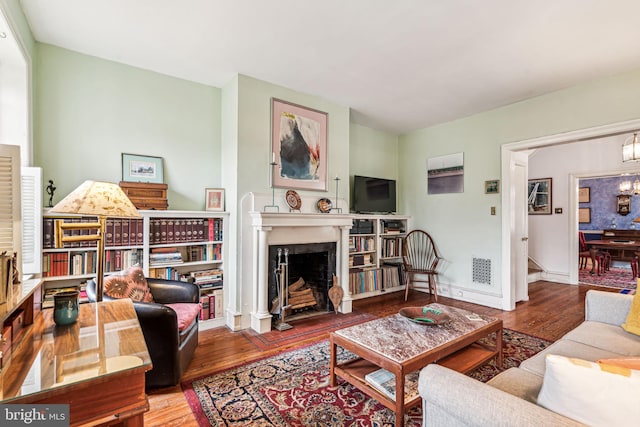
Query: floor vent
482	271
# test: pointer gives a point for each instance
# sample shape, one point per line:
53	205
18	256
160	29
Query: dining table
628	248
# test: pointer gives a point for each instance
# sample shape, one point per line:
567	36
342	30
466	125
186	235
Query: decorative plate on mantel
324	205
293	200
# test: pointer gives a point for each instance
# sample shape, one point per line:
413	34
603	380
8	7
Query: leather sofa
171	347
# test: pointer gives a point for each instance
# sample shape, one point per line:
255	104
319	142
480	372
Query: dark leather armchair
170	349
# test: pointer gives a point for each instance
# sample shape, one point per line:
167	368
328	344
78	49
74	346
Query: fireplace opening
307	271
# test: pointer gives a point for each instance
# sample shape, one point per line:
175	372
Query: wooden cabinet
177	245
375	254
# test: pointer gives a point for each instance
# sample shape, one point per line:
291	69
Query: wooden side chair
602	258
420	258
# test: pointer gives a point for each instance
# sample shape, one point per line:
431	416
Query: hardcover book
385	382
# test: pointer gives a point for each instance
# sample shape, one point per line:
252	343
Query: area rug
306	328
292	389
619	278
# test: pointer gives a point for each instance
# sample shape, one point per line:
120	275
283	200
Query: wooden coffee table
402	347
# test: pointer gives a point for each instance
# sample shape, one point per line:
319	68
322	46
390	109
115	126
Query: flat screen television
373	195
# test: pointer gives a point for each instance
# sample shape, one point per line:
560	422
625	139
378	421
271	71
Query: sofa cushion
607	337
632	324
536	364
519	383
581	390
129	283
186	313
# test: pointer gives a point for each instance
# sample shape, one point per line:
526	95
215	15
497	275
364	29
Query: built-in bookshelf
375	254
177	245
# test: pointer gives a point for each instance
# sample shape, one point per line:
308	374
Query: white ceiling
400	65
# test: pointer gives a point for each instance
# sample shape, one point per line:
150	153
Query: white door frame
508	196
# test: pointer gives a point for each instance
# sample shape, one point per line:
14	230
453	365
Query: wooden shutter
31	220
10	224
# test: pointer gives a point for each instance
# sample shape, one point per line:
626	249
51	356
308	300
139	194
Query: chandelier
626	187
631	149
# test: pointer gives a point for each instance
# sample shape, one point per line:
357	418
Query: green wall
461	223
372	153
89	111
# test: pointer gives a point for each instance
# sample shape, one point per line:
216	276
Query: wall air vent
481	271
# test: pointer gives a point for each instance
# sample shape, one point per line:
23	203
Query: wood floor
552	310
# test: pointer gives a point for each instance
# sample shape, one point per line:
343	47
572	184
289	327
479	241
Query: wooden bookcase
178	245
375	254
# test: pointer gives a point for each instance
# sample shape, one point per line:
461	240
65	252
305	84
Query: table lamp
99	199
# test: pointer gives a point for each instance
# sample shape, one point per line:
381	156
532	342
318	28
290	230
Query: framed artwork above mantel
299	146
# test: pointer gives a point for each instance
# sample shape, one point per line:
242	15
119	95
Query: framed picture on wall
584	215
298	146
137	168
584	194
492	187
539	196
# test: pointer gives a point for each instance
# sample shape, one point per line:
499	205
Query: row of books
208	252
361	244
206	278
80	263
375	279
178	230
47	300
130	231
57	264
212	305
359	260
121	259
392	247
118	232
51	237
365	281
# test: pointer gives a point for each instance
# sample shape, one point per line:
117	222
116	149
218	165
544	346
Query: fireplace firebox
309	275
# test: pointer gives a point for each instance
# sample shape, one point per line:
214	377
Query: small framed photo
137	168
584	194
492	187
214	199
584	215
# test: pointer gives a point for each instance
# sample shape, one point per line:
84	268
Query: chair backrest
419	251
583	242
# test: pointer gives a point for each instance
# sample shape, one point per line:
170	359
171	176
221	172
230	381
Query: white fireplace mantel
275	228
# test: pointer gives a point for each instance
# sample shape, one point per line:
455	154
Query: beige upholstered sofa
510	398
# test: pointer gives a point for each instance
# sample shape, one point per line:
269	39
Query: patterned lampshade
103	199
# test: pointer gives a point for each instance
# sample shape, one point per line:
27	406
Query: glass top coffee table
403	347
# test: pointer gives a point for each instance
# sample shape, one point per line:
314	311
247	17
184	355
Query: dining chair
420	258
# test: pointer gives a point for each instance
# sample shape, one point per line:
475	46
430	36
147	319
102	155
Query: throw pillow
585	392
129	283
632	324
622	362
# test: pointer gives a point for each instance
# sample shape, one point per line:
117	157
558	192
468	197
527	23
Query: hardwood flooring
552	310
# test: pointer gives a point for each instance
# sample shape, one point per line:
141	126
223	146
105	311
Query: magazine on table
385	382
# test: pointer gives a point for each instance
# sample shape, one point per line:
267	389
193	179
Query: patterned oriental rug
292	389
619	278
